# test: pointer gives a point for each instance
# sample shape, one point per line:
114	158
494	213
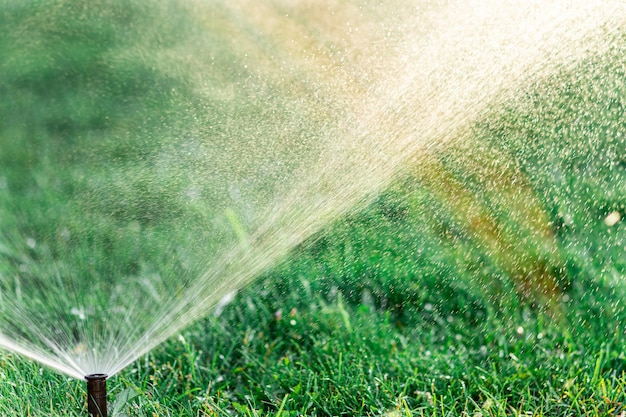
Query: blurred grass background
486	281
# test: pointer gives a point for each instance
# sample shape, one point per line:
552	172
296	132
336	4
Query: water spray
319	107
97	395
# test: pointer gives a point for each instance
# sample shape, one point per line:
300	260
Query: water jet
282	126
97	395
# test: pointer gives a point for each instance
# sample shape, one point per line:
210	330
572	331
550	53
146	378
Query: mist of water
298	112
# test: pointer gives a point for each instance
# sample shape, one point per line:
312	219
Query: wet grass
332	358
384	314
409	306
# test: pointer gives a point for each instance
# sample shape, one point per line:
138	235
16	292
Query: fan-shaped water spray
257	124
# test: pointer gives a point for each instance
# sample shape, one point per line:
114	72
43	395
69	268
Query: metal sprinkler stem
97	395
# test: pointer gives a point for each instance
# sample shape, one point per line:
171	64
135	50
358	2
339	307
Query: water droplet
612	218
78	313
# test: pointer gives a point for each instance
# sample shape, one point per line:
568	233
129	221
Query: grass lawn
488	281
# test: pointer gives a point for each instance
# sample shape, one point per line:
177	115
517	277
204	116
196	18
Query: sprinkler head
97	395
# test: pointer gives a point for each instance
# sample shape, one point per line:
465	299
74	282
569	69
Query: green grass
401	308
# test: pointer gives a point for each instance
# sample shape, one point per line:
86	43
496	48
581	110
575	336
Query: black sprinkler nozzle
97	395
